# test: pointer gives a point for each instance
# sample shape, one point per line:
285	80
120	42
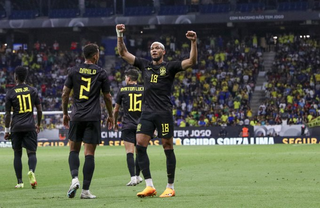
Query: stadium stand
292	90
214	8
64	9
293	6
23	10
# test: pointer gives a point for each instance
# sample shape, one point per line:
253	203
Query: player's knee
75	146
141	149
31	152
17	153
17	150
143	142
167	143
143	139
89	149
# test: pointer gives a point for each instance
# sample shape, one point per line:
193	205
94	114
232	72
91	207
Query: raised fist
120	28
191	35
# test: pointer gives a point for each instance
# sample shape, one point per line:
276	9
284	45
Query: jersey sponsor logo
163	71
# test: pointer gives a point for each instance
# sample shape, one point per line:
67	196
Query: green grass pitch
206	176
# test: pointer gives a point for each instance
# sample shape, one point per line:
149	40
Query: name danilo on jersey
87	71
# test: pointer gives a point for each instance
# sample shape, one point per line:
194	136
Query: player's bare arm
39	117
122	49
192	60
108	101
7	120
115	116
65	100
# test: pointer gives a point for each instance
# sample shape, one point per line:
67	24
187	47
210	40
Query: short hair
132	73
90	50
21	73
161	45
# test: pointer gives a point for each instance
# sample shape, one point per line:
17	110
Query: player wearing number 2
86	80
158	77
21	99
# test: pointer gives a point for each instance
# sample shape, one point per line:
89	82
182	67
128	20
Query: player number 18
165	127
154	78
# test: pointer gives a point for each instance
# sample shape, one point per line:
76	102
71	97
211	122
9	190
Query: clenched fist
120	28
191	35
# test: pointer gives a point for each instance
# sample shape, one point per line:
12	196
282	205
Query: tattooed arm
122	49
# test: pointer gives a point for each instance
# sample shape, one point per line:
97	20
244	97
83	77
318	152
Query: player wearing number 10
158	77
86	80
22	99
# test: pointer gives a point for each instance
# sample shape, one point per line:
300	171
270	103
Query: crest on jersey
163	71
139	127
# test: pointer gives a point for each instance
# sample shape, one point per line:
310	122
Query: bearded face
157	58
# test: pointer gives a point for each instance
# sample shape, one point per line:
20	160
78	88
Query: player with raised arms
158	77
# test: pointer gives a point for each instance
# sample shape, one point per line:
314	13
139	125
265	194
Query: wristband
6	130
119	34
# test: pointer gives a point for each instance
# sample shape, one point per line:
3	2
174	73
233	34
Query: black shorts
129	135
26	139
163	122
85	131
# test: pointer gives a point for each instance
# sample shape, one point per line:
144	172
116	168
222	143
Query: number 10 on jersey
25	103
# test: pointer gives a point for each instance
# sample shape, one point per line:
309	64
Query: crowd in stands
217	91
292	90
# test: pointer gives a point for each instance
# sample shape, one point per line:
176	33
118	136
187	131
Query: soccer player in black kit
130	98
86	81
158	77
22	99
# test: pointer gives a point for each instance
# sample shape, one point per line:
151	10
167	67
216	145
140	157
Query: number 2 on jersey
135	104
25	103
85	88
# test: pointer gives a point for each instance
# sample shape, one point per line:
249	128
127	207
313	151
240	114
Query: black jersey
158	81
22	99
87	80
130	98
